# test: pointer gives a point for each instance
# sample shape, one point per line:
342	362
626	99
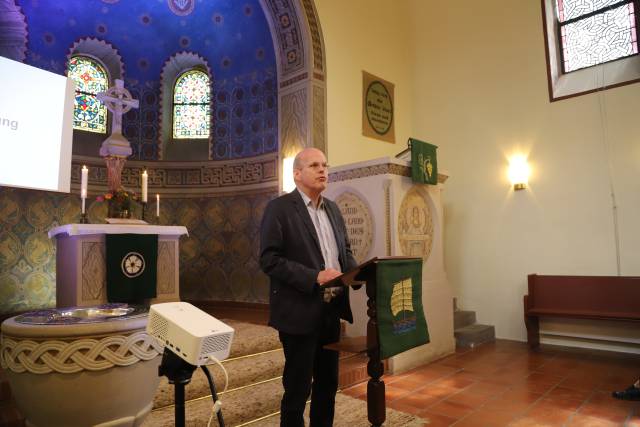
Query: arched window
91	78
191	111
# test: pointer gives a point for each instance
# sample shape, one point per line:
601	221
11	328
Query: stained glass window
593	32
191	111
91	78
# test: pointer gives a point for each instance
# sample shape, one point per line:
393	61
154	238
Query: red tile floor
506	384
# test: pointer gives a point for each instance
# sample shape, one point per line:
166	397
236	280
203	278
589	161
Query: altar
81	274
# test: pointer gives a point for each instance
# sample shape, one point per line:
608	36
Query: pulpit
81	275
386	214
396	321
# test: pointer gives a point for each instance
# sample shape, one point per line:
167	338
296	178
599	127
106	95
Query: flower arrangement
120	202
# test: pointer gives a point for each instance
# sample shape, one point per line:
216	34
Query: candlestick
145	177
144	208
157	205
83	182
83	211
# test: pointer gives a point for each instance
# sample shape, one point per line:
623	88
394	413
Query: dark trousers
308	368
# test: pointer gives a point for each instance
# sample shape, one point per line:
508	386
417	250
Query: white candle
83	199
144	186
157	205
83	182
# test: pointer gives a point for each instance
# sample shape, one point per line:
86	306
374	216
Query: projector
189	332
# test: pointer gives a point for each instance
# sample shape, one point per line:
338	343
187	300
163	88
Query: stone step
239	406
242	372
251	339
246	398
473	335
353	370
242	407
256	357
255	369
462	318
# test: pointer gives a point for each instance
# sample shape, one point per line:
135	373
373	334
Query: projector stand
179	374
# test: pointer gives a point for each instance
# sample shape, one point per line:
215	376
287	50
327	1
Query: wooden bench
585	297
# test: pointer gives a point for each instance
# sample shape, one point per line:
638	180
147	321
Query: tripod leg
179	400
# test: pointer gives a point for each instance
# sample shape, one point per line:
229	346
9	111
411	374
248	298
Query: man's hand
326	275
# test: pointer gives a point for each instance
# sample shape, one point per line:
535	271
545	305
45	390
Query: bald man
304	245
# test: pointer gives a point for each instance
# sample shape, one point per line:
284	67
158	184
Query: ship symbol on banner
401	302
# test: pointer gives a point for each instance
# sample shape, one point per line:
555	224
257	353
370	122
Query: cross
118	100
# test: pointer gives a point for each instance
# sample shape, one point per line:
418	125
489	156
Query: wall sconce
288	184
519	172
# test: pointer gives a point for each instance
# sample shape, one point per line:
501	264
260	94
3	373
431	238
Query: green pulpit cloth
401	321
132	263
424	164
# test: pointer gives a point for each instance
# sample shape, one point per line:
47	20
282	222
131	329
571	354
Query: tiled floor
506	384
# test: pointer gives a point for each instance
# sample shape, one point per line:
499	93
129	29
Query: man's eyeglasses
317	166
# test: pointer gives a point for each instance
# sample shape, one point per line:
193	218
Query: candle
144	186
83	182
157	205
83	186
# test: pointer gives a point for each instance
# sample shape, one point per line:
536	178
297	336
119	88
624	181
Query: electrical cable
605	142
217	404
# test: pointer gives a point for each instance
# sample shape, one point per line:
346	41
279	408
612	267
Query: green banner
401	321
132	265
424	164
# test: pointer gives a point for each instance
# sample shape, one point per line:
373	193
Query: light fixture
519	172
288	184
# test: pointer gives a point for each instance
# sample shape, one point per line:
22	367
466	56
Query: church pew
583	297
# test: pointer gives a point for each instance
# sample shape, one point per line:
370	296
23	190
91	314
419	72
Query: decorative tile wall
218	261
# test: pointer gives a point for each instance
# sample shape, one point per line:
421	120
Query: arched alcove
170	148
87	143
103	51
13	37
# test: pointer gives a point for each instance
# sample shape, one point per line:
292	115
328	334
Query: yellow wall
369	35
471	78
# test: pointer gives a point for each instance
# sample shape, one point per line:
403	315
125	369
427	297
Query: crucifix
116	148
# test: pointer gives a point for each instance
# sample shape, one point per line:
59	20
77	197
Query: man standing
303	245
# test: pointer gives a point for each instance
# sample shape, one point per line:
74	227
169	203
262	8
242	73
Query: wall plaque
358	219
377	109
415	225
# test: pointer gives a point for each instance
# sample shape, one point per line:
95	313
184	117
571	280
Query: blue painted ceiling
232	35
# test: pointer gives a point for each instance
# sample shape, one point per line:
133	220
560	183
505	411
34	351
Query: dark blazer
290	255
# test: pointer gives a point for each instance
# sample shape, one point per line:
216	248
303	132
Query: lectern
396	319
